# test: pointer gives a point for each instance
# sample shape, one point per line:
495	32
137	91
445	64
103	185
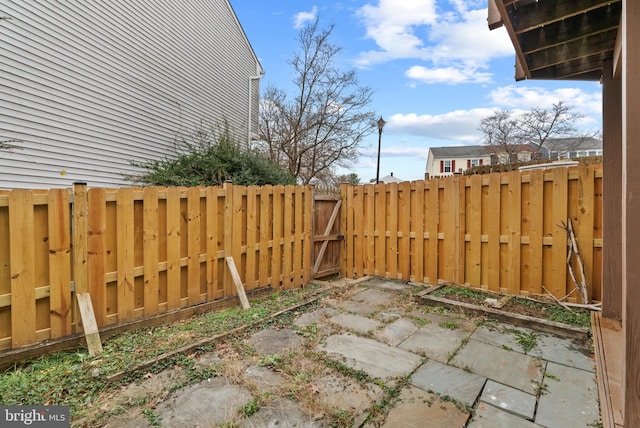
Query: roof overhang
559	39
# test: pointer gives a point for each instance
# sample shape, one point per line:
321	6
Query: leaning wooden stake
581	286
89	324
238	282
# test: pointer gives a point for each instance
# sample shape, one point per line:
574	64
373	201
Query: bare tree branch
323	124
507	134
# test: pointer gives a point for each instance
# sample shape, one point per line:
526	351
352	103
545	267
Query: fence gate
327	237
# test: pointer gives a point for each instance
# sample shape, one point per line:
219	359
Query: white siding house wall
88	86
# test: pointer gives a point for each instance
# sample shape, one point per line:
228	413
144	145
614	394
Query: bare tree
323	124
508	134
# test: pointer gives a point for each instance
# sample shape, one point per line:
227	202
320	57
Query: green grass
465	292
451	325
78	380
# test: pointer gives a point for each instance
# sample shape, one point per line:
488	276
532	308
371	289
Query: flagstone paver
487	416
417	408
449	381
356	323
507	367
509	399
397	331
377	359
568	388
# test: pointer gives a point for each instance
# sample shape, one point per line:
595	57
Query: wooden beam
589	68
612	194
570	30
537	14
494	20
631	207
520	59
576	50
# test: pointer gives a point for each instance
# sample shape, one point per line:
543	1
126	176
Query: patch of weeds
359	375
453	353
228	425
595	424
464	293
250	408
541	387
419	321
507	348
526	339
272	361
309	331
578	317
460	405
151	417
451	325
390	395
552	377
341	419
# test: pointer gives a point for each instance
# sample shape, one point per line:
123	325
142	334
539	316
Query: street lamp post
381	123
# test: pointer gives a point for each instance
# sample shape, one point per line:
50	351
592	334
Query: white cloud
588	104
460	126
456	42
303	17
450	75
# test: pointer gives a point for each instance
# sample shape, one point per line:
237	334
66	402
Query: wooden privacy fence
140	252
502	232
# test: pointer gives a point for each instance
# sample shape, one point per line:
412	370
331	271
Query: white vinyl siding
89	86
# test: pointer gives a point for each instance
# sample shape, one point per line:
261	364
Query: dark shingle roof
459	151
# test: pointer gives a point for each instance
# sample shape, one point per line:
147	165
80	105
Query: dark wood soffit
563	39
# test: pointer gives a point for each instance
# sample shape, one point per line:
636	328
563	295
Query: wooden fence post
80	239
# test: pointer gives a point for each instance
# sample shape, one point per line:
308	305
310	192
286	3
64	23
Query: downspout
251	79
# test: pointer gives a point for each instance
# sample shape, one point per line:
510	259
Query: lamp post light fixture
381	123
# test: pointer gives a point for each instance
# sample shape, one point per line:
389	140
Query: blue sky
434	66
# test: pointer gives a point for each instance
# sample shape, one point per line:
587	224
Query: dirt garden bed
545	313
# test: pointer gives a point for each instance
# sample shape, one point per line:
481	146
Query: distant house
390	179
89	86
443	161
570	148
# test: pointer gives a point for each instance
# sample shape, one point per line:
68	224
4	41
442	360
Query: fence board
536	230
404	226
514	244
417	232
253	232
392	231
266	226
493	215
584	222
150	250
21	244
276	260
558	285
125	257
433	220
193	246
59	225
473	228
358	232
288	237
298	238
173	248
307	238
381	227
